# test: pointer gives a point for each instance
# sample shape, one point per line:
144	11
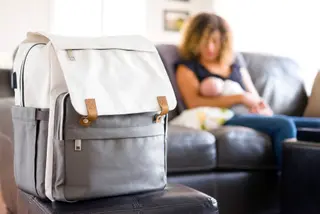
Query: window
97	17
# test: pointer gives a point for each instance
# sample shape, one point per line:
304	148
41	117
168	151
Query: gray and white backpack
90	116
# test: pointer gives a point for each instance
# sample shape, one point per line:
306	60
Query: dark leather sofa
235	165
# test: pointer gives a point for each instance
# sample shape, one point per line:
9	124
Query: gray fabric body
119	154
30	147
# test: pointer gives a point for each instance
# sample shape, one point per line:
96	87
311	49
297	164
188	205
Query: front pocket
113	167
115	155
30	132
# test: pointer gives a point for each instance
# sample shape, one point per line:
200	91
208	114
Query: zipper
71	57
22	74
77	142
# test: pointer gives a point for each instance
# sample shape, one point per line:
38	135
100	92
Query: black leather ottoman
300	181
174	199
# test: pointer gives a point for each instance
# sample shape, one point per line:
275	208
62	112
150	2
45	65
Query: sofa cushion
243	148
190	149
227	147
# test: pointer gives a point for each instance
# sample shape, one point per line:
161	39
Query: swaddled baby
208	118
213	86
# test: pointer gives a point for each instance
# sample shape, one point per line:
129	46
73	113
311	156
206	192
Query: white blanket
203	118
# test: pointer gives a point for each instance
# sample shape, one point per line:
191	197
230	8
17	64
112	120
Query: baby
213	86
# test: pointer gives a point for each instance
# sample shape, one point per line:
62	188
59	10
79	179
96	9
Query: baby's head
211	86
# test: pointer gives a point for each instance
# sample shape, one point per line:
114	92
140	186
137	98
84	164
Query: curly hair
198	28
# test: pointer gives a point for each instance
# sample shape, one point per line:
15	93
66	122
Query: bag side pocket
29	150
41	149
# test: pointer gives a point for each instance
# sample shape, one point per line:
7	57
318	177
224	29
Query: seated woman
206	50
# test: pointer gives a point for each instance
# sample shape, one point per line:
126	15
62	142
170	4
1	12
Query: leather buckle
162	101
92	113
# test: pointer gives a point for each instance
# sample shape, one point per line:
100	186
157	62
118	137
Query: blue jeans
278	127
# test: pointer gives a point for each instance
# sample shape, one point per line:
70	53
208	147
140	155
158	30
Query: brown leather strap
162	101
92	112
92	109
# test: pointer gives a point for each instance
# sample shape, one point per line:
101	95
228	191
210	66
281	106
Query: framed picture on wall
174	19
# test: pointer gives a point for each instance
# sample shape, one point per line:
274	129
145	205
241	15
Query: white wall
155	23
16	18
124	17
286	27
280	27
76	17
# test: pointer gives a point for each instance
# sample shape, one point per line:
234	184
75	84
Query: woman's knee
286	125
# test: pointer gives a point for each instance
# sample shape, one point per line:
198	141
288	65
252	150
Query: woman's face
210	47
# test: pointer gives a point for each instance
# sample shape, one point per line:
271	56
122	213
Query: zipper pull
77	145
70	55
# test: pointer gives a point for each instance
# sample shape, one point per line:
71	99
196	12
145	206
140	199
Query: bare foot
291	140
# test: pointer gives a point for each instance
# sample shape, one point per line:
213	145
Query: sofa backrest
277	79
169	55
5	86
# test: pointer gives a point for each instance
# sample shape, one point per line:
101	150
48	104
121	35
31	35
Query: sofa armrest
7	181
243	148
300	178
308	134
8	186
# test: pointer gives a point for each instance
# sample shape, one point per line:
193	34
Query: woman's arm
263	108
188	85
247	81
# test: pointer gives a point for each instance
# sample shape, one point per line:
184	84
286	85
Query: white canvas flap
126	42
123	74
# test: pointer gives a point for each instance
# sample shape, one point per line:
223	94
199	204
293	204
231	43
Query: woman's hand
265	109
256	105
262	109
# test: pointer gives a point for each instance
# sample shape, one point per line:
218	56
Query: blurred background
279	27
